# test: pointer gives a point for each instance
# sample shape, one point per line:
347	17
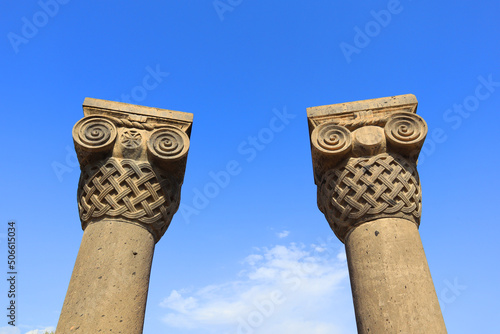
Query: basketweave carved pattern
125	188
363	189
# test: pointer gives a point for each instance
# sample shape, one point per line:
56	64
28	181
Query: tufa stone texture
132	161
364	160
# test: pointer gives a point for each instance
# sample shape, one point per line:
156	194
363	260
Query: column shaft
109	285
391	283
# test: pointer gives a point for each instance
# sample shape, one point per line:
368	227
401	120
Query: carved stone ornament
364	160
133	160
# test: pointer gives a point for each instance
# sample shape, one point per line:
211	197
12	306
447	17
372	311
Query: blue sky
237	65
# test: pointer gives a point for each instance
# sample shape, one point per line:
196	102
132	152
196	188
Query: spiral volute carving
168	143
332	139
94	133
406	129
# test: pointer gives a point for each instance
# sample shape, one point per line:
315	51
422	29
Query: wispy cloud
286	288
283	234
42	331
9	330
16	330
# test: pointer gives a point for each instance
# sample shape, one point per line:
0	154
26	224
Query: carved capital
133	160
364	159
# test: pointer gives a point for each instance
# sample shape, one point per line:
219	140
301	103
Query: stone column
132	161
364	160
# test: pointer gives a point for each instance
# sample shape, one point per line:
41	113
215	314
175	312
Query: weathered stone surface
390	279
109	285
364	159
132	160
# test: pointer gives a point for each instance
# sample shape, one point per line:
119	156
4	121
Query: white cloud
286	289
42	331
253	258
342	256
177	303
9	330
283	234
15	330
